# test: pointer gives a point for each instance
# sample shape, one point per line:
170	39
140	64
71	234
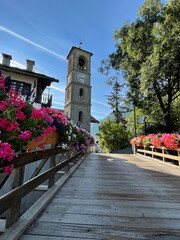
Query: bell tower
78	88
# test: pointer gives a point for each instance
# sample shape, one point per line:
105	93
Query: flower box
52	138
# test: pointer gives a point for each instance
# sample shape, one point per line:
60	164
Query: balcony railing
45	99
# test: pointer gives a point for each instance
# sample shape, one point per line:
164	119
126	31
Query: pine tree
115	100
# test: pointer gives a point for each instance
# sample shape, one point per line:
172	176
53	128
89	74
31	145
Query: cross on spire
80	43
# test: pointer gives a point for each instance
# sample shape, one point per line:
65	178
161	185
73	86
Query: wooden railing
153	152
58	160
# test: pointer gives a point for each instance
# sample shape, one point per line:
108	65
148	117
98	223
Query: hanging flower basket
52	138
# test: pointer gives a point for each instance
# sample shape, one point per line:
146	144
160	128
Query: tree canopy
112	135
148	54
115	100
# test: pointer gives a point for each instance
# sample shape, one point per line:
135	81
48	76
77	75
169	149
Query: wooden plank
52	164
170	164
128	222
119	204
3	178
111	197
27	158
7	200
83	232
2	225
67	166
59	158
41	188
60	172
118	211
38	169
160	154
26	219
17	179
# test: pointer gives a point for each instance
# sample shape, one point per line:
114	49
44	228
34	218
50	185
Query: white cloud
58	89
101	103
101	113
58	103
31	42
17	64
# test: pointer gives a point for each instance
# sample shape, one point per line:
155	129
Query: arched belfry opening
81	93
82	63
80	116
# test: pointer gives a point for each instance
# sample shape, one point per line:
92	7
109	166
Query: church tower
78	88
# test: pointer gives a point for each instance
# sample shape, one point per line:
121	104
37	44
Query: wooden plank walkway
113	196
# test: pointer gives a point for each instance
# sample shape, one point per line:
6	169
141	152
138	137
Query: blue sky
45	31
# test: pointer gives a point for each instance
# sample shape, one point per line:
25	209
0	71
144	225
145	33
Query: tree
148	54
115	100
112	135
140	126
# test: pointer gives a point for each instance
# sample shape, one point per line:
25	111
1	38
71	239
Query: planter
52	138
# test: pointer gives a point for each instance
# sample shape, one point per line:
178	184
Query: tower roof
78	49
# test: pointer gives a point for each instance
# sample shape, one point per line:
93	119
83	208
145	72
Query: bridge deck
113	197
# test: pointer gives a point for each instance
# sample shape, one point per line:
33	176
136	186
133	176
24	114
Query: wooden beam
17	179
2	225
3	178
38	169
27	158
52	164
41	188
59	158
7	200
160	154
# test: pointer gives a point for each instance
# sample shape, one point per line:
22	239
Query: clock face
82	78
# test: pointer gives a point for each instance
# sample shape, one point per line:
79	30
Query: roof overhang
26	73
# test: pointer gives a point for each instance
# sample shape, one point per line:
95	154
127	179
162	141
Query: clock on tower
78	88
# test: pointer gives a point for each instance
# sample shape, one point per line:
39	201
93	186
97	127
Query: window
69	65
81	93
22	88
68	95
82	63
80	116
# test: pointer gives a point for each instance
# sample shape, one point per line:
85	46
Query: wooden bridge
109	197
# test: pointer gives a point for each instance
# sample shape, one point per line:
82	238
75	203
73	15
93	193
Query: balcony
46	100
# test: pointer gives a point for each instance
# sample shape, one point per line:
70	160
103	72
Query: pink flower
6	153
25	135
20	115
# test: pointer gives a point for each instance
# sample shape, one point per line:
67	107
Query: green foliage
112	135
148	54
3	94
115	99
139	125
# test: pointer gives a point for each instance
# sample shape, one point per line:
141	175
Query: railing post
17	179
135	149
144	151
163	154
152	149
67	166
52	163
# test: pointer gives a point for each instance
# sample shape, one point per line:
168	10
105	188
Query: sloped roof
26	73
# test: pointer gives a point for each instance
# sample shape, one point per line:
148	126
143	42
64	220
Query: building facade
26	81
78	87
